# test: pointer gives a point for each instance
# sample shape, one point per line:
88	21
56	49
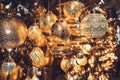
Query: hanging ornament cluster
85	56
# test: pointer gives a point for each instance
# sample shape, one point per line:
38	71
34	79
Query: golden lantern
36	36
37	57
14	74
13	32
65	64
94	25
60	30
47	20
73	9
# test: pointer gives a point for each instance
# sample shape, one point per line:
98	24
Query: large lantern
73	9
94	25
13	32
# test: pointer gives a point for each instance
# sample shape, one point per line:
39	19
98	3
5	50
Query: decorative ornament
61	50
65	64
94	25
60	30
8	66
13	32
81	60
47	20
73	9
36	36
37	57
14	74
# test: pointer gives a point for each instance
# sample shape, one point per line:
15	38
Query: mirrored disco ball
94	25
13	32
73	9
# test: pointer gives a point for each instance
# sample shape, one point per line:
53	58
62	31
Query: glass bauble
8	66
15	74
60	30
94	25
13	32
36	36
73	9
47	19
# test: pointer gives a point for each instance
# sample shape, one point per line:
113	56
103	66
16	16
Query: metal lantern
73	9
37	57
65	64
60	30
94	25
13	32
47	19
36	36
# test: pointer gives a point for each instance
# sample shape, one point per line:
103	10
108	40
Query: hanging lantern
36	36
37	57
14	74
73	9
47	20
13	32
94	25
60	30
65	64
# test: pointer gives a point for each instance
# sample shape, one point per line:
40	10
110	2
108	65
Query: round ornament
60	30
36	36
13	32
73	9
8	66
94	25
47	19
